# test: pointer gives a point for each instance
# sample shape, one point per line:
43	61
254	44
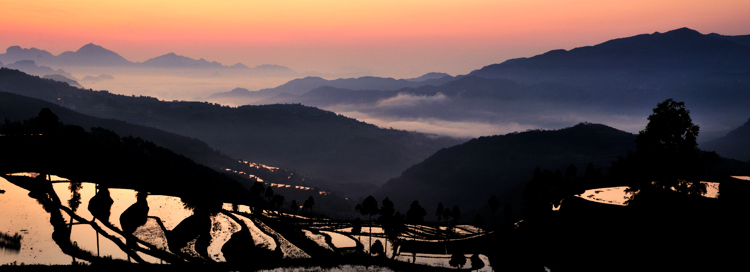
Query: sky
389	38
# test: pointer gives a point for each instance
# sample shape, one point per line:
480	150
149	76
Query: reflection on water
125	225
35	175
618	196
10	243
340	268
25	216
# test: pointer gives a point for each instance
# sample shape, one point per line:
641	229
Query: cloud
458	129
409	100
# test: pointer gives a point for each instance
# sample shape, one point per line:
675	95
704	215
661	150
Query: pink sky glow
390	38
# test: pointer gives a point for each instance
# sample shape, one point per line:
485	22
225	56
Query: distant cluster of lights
278	185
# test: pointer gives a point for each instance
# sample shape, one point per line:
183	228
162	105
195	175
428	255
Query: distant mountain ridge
680	49
302	86
619	79
736	144
91	55
30	67
307	140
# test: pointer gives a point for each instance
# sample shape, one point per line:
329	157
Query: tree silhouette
494	204
457	260
479	221
256	202
667	157
456	214
476	262
370	208
295	206
308	205
269	193
75	198
387	219
357	208
446	214
278	201
100	204
357	226
416	213
439	211
377	249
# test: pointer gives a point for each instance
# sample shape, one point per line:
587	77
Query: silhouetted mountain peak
428	76
271	67
677	49
93	48
239	91
178	61
92	55
239	66
683	32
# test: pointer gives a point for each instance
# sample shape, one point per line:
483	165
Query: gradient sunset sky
390	38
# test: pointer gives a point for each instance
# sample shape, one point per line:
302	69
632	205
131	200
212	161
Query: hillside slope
468	174
304	139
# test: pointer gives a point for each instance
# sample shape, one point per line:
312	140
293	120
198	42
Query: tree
476	262
446	214
479	221
269	193
357	208
295	206
387	209
386	218
494	204
457	260
377	249
670	131
416	213
667	156
439	211
256	201
370	208
308	205
278	201
456	214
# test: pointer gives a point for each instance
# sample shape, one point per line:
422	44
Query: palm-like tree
369	207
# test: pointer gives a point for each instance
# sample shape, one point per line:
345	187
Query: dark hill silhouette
741	39
468	174
301	86
307	140
734	145
44	144
17	107
63	78
680	49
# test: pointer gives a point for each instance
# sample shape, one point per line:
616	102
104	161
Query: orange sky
391	38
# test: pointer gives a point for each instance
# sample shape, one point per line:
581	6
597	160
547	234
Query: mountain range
306	140
302	86
616	82
91	55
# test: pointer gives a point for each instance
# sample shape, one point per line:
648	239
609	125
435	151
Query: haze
388	38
